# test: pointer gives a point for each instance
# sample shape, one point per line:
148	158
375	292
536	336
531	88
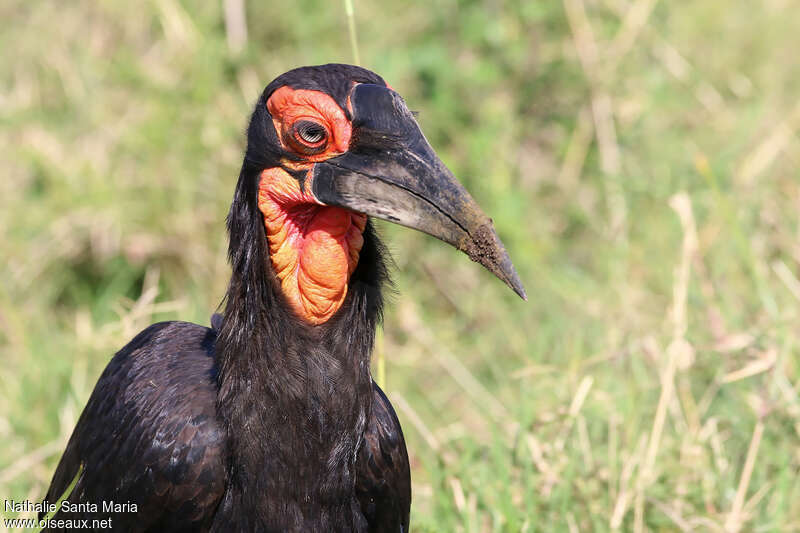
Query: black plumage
166	427
265	422
259	424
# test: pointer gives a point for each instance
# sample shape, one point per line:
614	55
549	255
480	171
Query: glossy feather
150	436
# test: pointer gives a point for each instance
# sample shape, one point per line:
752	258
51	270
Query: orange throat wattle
313	248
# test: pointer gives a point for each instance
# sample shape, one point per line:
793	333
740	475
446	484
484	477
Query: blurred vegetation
639	160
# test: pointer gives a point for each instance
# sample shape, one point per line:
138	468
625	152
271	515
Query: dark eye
310	133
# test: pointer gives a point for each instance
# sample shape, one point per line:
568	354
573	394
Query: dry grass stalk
613	443
572	524
602	110
235	25
531	370
786	276
754	500
768	150
413	417
764	362
679	349
179	29
585	443
574	410
672	60
672	514
736	517
635	19
27	461
625	489
577	149
458	494
456	368
551	477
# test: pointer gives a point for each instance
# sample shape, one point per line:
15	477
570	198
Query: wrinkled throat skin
313	248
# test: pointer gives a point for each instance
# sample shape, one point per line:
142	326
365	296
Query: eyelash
308	136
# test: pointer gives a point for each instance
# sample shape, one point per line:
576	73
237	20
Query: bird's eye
310	133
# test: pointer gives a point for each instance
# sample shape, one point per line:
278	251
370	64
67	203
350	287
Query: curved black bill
392	173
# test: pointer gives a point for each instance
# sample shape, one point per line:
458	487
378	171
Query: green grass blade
63	497
351	25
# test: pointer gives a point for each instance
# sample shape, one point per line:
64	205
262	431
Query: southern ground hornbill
270	420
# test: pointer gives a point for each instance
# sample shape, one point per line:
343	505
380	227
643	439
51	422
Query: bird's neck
313	248
295	417
294	397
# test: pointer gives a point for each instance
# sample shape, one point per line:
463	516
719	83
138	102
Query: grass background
639	160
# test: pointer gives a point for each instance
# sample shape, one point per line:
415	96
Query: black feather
262	423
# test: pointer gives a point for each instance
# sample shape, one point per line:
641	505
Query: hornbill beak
391	172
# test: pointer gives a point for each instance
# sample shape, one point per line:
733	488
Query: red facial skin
288	106
313	248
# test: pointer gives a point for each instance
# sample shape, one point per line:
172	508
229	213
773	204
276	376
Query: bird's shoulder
383	477
149	434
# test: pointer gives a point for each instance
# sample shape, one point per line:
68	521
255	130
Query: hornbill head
328	146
